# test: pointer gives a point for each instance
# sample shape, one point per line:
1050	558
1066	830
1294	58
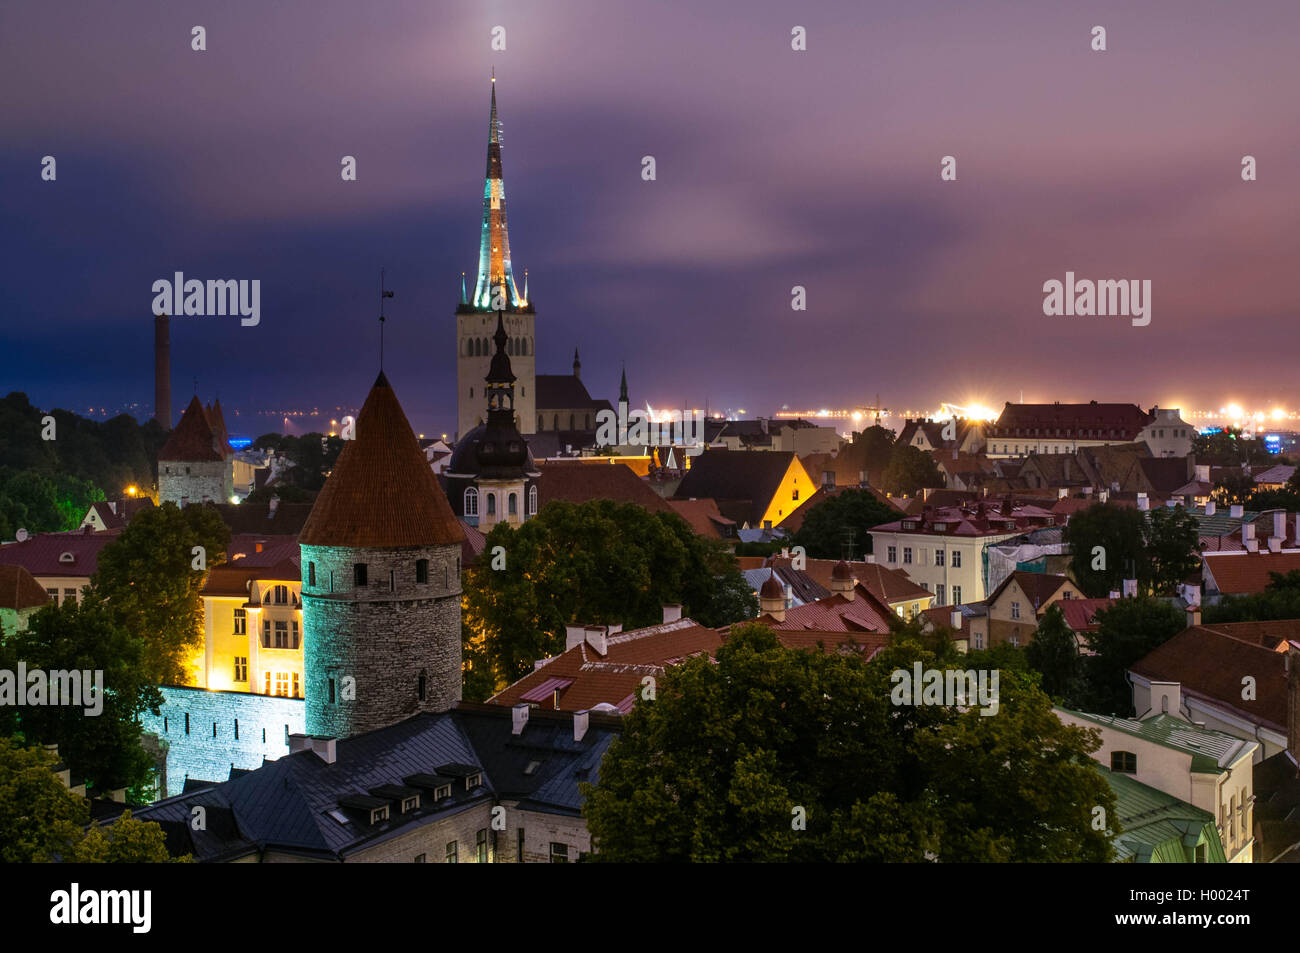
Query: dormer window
442	792
67	558
410	804
472	781
379	814
1123	762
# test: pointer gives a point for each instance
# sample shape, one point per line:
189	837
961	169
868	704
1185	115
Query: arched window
359	575
311	574
587	422
487	347
571	418
541	424
524	342
512	504
555	422
422	571
510	347
492	504
471	502
532	500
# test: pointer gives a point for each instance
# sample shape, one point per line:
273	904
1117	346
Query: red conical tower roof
382	493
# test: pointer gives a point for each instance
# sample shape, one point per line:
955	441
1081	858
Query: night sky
775	168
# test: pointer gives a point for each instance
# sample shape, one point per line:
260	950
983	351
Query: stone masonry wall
383	638
199	753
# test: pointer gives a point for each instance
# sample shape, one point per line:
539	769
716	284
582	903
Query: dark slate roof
290	804
251	519
733	475
556	392
580	482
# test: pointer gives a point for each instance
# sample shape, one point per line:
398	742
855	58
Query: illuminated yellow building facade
252	631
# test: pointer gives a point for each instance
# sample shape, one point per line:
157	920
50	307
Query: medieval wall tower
381	591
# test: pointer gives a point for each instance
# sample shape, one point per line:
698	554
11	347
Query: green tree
1233	488
124	841
600	562
1108	542
731	755
1054	654
1279	600
1126	631
1173	548
42	821
150	580
100	740
848	514
910	469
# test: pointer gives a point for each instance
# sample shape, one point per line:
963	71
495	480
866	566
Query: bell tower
494	291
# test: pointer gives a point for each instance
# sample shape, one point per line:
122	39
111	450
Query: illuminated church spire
494	267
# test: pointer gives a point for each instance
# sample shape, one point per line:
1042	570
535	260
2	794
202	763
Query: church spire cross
495	274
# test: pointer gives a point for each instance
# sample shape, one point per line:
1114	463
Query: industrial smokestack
162	372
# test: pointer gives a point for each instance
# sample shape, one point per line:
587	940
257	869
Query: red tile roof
1237	573
1210	660
19	590
227	580
863	613
382	493
887	585
1038	586
579	482
195	438
41	555
1068	421
704	517
1081	614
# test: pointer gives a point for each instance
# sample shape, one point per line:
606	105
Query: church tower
381	591
494	289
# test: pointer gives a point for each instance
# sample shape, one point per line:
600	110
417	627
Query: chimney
580	721
1115	593
1252	545
1130	588
162	372
1087	491
1171	503
1143	503
1167	698
955	620
596	639
1209	508
1193	616
1236	510
1275	544
518	718
1104	495
1203	473
862	478
1279	524
1062	492
1247	531
574	635
272	507
324	748
672	611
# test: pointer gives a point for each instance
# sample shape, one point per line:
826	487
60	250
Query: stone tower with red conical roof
381	592
196	464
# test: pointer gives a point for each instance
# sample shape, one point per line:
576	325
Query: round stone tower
381	589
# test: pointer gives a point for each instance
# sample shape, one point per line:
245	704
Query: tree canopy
42	821
910	470
849	514
1127	631
1111	543
149	578
598	562
774	754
